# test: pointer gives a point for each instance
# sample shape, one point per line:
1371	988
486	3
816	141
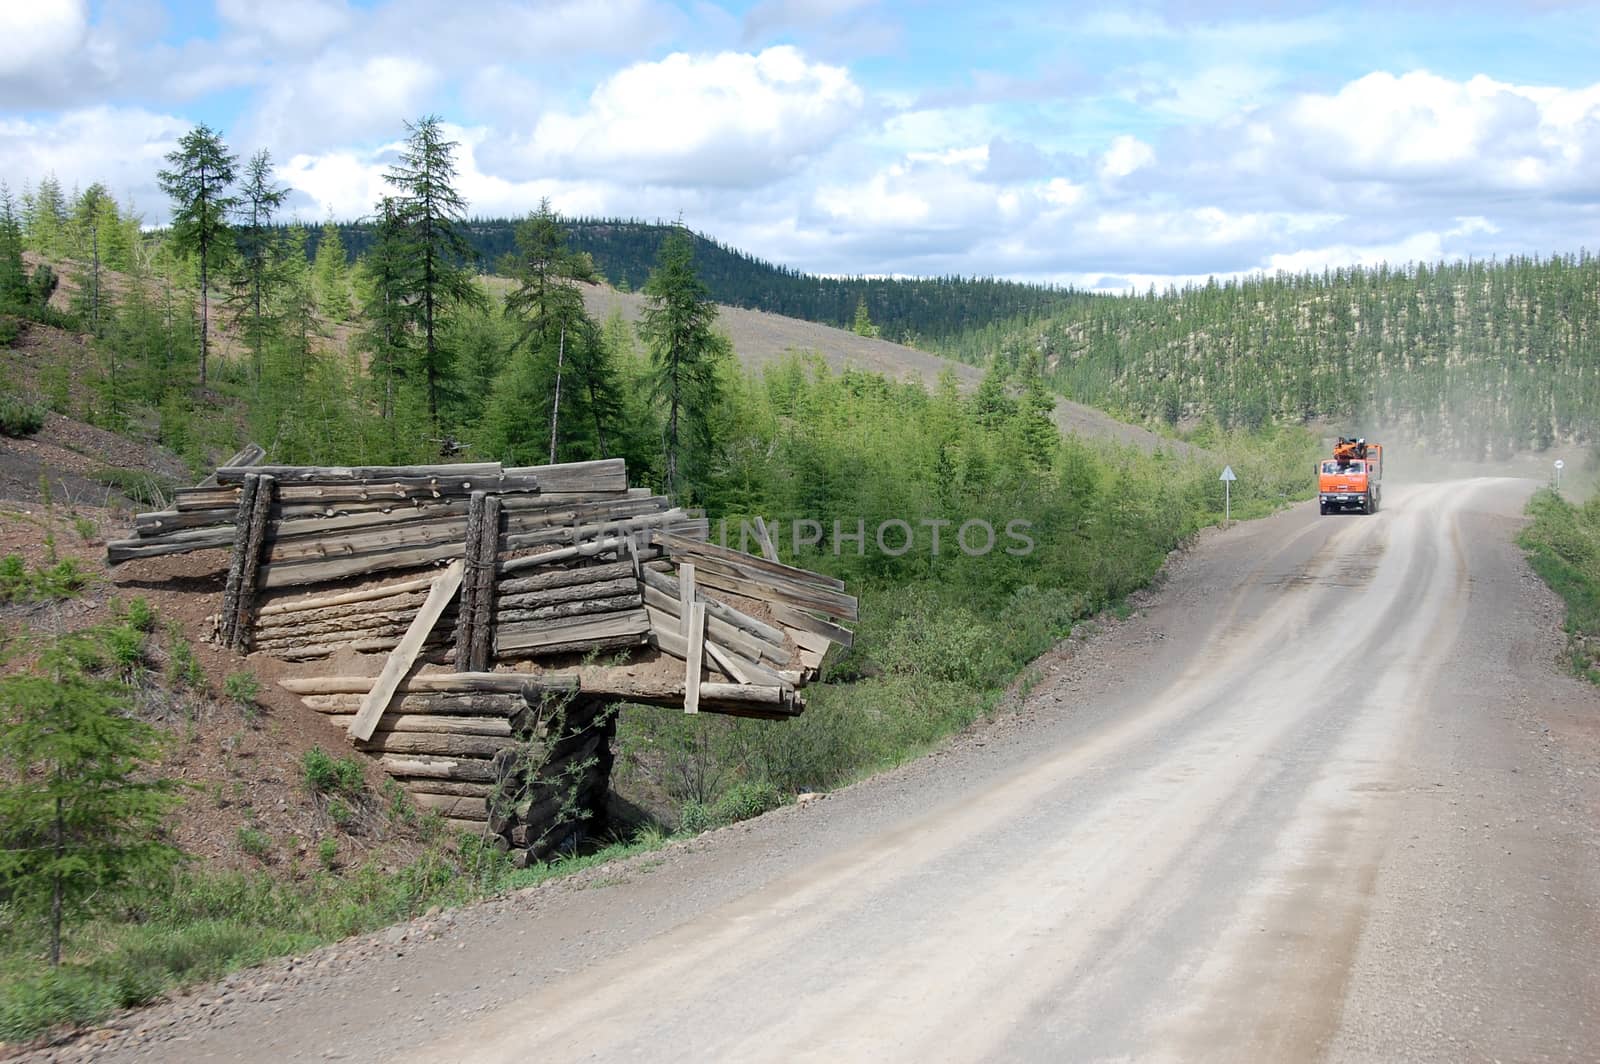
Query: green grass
1563	545
201	925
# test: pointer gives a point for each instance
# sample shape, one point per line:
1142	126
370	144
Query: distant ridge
922	311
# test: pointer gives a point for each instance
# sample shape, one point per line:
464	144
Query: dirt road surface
1325	796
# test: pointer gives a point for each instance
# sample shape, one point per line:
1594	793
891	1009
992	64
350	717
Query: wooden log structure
481	570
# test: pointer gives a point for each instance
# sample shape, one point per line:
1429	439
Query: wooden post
697	644
685	596
255	546
469	583
444	590
241	546
481	649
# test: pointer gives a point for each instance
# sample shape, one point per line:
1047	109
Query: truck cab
1345	483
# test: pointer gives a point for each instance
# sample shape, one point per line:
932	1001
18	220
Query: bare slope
760	339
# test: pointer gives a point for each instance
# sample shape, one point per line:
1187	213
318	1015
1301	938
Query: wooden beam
469	580
254	535
715	608
480	652
400	660
696	635
347	474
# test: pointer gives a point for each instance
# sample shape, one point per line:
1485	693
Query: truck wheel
1324	508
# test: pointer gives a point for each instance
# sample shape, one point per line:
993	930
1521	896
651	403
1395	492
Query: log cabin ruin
474	628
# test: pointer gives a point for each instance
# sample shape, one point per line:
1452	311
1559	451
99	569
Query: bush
743	801
141	615
255	843
20	418
242	687
328	775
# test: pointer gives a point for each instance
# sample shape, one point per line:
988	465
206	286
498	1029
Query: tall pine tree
677	327
432	212
202	170
258	275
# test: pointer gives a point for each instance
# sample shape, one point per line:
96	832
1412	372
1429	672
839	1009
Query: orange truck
1353	478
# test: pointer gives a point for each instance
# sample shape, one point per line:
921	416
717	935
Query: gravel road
1325	796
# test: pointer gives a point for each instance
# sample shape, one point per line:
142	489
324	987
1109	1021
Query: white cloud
1125	155
1479	132
300	23
339	101
121	147
723	120
34	33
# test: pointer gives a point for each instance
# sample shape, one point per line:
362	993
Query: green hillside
1476	358
917	310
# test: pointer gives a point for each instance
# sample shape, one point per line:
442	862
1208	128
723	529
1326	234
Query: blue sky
1104	146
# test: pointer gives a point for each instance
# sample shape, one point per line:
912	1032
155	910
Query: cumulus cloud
122	147
1125	155
339	101
299	23
730	119
37	32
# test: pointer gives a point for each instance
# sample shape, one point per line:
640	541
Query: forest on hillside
1475	359
913	310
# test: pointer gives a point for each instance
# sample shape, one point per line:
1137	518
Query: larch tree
386	280
202	171
432	213
331	271
257	277
676	326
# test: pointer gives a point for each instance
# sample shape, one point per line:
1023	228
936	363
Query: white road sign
1227	473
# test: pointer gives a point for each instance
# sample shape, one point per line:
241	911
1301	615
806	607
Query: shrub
329	775
255	843
20	418
328	852
242	687
694	818
14	581
745	800
141	615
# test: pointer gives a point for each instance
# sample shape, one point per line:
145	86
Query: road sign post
1227	479
1560	465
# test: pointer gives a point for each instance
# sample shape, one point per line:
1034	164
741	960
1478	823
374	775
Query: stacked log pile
554	578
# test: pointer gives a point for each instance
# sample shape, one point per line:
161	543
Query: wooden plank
743	670
735	585
804	577
456	787
164	522
765	586
400	660
236	566
625	585
663	616
715	608
686	596
416	532
559	610
402	488
631	624
249	454
578	476
696	635
316	572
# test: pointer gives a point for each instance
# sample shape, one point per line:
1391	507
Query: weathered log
260	506
449	703
288	475
315	572
628	625
459	788
465	769
366	594
753	583
440	724
249	454
168	523
418	532
241	544
460	807
463	682
480	650
600	589
695	635
469	580
569	609
587	574
437	744
339	617
602	475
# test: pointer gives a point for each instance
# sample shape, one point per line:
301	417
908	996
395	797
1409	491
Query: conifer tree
677	327
202	170
45	217
332	274
93	207
388	277
432	213
78	818
13	277
255	283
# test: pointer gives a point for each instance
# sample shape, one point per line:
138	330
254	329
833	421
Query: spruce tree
79	816
13	277
332	274
202	170
388	276
677	328
432	213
